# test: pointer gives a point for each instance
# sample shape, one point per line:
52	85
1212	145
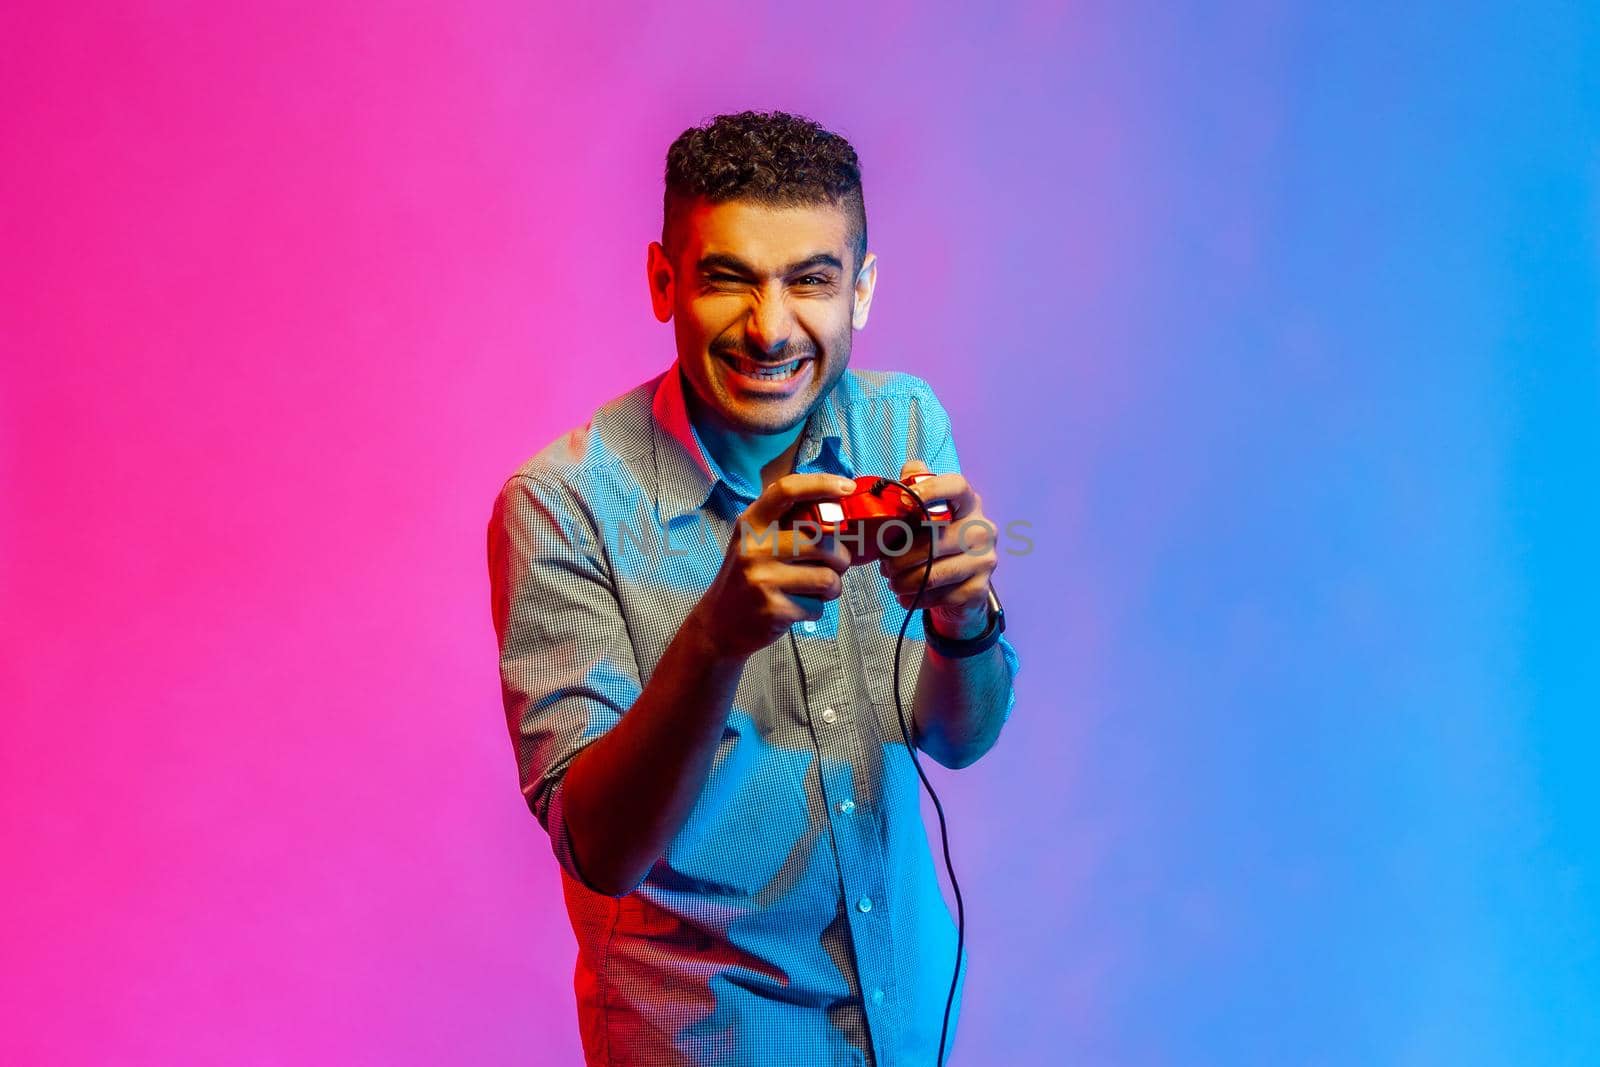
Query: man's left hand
957	595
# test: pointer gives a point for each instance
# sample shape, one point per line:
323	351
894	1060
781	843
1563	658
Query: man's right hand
772	578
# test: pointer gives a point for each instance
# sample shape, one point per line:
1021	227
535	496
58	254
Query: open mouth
765	372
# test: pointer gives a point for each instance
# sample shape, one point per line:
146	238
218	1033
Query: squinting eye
815	279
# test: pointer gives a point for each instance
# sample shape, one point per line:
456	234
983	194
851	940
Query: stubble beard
746	417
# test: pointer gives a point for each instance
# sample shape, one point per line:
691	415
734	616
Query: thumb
913	466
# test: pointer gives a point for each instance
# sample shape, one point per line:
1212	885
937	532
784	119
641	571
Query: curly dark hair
770	157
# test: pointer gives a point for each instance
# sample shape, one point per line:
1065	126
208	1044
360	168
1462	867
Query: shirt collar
687	473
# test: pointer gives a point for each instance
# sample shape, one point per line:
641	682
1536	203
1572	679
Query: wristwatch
957	649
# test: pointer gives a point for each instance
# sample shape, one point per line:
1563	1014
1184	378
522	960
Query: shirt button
809	627
829	715
846	807
864	904
877	996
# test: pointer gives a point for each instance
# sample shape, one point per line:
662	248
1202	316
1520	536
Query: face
762	307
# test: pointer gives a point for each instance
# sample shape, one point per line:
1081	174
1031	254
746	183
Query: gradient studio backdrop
1278	324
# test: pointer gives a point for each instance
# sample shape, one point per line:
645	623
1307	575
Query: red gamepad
864	517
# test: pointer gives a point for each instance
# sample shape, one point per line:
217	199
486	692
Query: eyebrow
725	261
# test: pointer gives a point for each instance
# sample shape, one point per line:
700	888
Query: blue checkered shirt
796	918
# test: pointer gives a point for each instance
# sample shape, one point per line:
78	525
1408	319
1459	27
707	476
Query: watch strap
952	648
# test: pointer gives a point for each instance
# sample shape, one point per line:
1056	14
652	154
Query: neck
757	458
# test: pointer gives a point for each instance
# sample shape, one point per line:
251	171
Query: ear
658	267
866	282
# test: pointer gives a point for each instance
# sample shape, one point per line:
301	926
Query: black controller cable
944	835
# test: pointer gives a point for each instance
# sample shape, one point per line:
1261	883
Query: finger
913	466
952	488
808	607
810	580
954	567
828	552
908	571
793	593
788	539
799	546
777	499
949	571
972	536
963	594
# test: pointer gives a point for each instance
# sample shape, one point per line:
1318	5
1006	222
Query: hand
772	578
957	595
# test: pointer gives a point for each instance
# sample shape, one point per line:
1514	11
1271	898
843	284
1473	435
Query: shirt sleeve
943	459
567	667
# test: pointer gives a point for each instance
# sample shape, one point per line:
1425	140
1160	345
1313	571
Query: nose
770	325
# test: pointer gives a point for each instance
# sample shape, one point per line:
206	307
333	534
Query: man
705	721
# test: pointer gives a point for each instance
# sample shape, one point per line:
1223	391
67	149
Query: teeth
768	374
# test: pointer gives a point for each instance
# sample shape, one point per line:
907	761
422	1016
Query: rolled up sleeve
567	666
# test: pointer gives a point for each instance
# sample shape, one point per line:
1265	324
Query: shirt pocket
876	617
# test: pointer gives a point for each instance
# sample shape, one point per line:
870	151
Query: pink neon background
298	290
1258	314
